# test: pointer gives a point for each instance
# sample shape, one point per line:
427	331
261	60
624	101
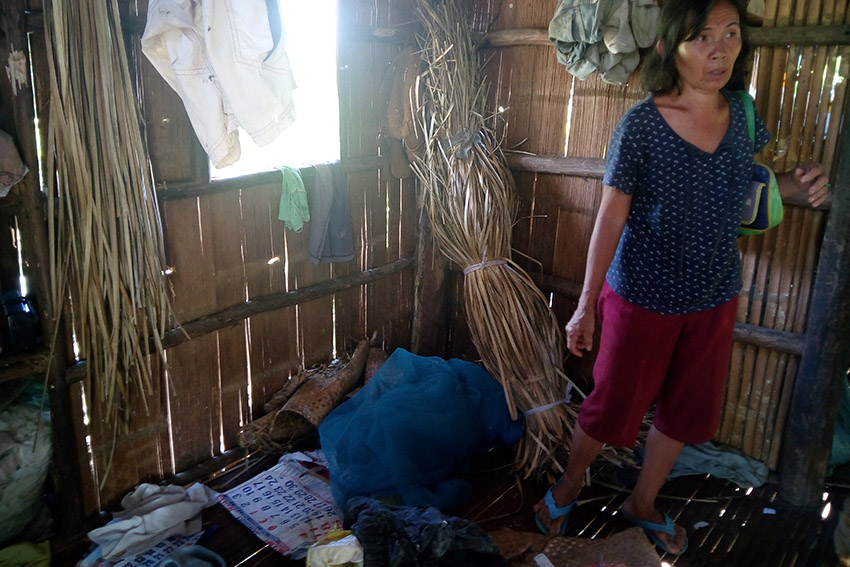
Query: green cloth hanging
293	210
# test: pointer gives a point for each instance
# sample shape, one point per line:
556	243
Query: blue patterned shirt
678	252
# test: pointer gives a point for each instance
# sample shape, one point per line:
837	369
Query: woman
663	268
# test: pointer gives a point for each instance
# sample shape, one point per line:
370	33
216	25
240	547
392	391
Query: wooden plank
192	397
193	374
314	317
432	289
140	453
229	283
349	304
266	260
375	250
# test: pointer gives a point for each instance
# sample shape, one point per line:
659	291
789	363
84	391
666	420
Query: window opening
309	33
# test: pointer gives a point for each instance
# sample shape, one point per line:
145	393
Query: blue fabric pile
411	429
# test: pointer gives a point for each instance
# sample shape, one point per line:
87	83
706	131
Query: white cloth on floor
151	514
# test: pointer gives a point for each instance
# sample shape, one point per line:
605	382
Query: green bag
763	208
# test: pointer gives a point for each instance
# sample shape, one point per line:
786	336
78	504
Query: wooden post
33	227
429	335
807	440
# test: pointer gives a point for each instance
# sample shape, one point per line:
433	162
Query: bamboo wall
549	113
219	239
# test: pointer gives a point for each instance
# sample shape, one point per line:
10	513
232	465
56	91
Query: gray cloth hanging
331	235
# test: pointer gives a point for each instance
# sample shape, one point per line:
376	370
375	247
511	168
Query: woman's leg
661	455
583	451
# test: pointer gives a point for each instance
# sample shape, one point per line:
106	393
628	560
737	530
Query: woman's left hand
811	179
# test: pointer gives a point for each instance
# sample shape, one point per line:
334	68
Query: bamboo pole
776	418
815	100
798	115
823	111
831	143
736	369
782	129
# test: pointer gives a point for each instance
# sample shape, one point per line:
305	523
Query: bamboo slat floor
738	526
727	525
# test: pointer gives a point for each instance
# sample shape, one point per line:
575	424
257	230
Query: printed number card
290	506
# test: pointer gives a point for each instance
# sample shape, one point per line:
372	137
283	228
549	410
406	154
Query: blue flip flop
650	528
555	512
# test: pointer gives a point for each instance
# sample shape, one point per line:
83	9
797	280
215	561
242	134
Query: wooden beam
822	373
838	34
799	35
759	37
17	366
233	315
431	295
165	192
559	165
781	341
594	168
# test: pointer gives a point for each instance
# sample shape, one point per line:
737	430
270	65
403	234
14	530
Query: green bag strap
751	118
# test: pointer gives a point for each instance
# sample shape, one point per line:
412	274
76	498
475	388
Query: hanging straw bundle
106	243
468	192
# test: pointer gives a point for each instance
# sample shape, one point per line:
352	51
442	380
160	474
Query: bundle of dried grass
469	194
106	245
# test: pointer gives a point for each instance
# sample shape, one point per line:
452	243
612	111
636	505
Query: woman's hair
680	21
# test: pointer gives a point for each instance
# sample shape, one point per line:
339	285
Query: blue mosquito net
407	434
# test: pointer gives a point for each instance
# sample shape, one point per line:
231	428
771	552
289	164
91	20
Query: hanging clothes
293	210
331	233
226	60
603	36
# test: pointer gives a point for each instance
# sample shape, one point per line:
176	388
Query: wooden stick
733	388
736	438
751	403
770	10
798	115
782	413
836	108
825	104
815	100
783	137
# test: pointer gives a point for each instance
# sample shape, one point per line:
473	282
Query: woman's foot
673	539
563	494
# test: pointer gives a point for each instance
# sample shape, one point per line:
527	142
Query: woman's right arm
610	221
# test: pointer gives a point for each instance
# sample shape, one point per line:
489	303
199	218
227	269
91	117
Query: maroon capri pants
678	361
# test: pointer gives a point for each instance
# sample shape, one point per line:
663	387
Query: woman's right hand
580	330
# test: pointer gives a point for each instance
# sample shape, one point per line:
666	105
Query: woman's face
705	62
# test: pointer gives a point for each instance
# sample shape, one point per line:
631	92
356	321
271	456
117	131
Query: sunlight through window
310	39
